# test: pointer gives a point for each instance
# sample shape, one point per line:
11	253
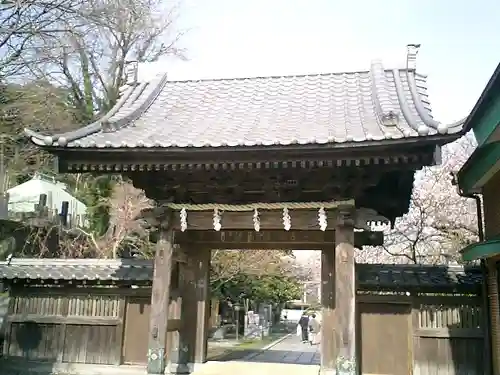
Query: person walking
314	328
304	326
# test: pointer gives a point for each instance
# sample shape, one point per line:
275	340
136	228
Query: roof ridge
268	77
281	76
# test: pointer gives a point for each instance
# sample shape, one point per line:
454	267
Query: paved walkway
290	357
290	351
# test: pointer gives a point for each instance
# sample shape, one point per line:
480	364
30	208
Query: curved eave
479	168
481	250
133	107
435	139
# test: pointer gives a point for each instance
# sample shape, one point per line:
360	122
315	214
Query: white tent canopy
24	197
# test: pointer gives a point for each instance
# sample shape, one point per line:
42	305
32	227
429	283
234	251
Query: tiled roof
369	276
400	276
339	108
77	269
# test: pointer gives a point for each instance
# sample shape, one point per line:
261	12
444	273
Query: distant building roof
23	197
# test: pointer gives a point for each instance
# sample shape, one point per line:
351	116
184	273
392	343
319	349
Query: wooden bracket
345	217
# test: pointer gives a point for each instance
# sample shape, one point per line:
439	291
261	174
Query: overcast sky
242	38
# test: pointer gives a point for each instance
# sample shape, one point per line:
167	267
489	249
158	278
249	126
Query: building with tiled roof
346	109
343	144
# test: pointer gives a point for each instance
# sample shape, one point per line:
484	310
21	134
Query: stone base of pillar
183	369
344	366
156	361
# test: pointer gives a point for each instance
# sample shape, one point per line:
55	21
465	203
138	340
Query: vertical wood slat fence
421	335
82	328
106	321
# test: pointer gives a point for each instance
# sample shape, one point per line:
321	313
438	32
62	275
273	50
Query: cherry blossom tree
125	235
439	223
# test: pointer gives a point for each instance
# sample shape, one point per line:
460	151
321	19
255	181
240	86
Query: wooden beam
57	319
303	219
259	158
450	333
273	239
160	296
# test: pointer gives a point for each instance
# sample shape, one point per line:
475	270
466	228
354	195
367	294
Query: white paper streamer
183	216
322	219
287	220
217	218
256	220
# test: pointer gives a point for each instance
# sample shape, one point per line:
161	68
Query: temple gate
304	161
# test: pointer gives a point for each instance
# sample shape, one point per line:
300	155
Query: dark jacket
304	321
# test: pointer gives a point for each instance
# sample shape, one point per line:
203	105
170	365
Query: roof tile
332	108
369	276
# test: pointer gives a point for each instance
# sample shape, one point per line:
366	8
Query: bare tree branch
439	222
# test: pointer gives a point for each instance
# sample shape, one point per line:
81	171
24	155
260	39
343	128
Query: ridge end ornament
256	220
287	220
217	220
183	217
322	219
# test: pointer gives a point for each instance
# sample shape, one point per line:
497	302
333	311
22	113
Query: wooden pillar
328	341
187	333
195	310
160	299
345	296
338	298
174	316
202	304
214	312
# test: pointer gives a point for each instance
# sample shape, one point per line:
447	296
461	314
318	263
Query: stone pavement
289	356
291	351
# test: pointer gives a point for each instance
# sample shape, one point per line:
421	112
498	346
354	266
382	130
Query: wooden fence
94	322
77	328
106	321
398	334
421	335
